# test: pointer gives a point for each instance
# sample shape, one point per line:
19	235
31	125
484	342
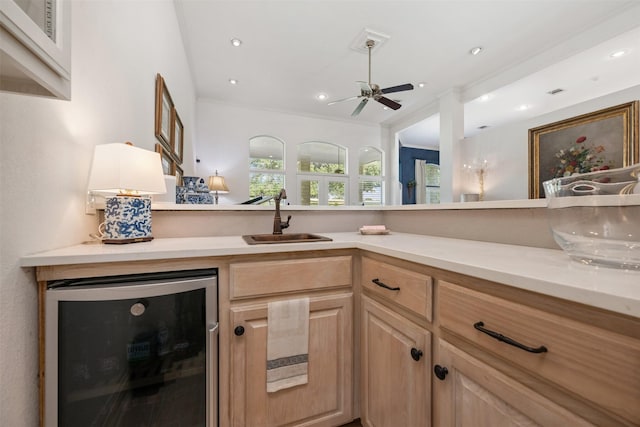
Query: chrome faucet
278	225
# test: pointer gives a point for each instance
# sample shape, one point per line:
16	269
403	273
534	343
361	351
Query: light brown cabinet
546	362
395	351
499	356
327	398
474	394
395	365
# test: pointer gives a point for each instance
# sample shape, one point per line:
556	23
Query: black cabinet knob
239	330
416	354
440	371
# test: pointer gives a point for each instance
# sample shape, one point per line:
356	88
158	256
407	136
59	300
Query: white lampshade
125	169
217	183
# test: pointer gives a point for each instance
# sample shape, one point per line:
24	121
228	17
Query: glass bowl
595	216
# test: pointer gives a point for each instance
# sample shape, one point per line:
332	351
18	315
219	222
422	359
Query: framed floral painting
603	139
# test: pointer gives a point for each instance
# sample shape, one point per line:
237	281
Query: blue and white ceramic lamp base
127	219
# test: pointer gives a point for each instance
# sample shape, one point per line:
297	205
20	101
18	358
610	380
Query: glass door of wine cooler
134	354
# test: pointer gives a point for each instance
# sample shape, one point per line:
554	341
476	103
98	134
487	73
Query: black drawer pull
500	337
239	331
382	285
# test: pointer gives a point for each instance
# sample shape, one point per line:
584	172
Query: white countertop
546	271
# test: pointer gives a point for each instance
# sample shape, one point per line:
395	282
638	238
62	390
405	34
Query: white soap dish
372	231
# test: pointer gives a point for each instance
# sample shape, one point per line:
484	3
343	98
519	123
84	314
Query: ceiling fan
369	90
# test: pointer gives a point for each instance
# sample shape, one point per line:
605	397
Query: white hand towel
287	343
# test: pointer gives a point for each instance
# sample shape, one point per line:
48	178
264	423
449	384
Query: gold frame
165	156
548	139
177	136
177	171
163	116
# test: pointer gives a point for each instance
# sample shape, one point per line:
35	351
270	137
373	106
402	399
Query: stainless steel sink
262	239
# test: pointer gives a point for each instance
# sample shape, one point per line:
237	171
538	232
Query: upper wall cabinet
35	47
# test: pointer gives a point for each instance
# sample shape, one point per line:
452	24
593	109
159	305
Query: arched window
266	166
370	176
322	174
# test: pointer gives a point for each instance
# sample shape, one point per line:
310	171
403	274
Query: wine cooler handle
212	376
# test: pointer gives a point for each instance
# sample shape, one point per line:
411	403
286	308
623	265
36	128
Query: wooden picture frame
177	136
606	138
165	158
163	116
177	171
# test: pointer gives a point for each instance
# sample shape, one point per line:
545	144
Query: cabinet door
473	394
326	400
395	386
36	56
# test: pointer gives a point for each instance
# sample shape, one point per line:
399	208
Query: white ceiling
294	50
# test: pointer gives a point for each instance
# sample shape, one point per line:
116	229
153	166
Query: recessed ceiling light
236	42
619	53
523	107
321	96
485	97
475	50
233	81
422	84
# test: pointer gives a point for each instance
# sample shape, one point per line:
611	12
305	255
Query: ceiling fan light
233	82
236	42
321	96
422	84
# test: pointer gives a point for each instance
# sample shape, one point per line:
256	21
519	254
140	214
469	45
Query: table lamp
126	175
217	185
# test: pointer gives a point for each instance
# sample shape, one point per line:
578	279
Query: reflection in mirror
370	176
266	166
321	157
318	164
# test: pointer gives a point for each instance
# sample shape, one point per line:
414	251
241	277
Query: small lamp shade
127	172
217	185
125	169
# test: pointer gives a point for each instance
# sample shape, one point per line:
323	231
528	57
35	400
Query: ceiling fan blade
399	88
365	88
359	107
351	98
388	102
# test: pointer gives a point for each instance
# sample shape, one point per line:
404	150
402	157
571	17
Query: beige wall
517	226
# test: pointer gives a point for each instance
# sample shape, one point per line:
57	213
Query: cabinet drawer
414	291
250	279
597	364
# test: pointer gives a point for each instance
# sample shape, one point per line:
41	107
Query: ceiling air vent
555	91
360	42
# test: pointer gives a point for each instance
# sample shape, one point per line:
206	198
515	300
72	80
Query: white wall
222	143
506	148
45	153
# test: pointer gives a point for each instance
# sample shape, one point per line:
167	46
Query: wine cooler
132	351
